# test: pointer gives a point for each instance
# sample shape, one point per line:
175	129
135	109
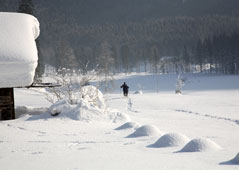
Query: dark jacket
125	87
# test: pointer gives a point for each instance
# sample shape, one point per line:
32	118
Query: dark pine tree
209	54
27	7
186	59
198	55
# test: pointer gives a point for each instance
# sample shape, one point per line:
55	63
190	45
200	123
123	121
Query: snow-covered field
195	130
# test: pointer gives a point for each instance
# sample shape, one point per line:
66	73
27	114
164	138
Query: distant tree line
220	53
166	44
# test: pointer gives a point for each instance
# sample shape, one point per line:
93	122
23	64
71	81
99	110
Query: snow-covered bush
93	96
77	99
90	105
71	83
139	91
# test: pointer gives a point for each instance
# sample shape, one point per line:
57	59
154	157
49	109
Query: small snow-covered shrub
90	105
116	116
138	92
78	100
71	83
93	96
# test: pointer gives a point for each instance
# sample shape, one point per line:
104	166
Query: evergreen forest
158	36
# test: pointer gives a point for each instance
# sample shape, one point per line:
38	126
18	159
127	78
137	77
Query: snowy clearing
206	114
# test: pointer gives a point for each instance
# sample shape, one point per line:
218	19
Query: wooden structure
7	110
18	61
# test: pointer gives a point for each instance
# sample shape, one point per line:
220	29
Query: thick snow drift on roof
18	52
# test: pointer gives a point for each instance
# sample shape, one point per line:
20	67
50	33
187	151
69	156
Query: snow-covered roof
18	51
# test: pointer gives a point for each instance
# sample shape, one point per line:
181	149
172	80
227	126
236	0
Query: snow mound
129	125
89	107
235	160
21	110
118	116
18	51
171	139
146	130
200	145
94	96
138	92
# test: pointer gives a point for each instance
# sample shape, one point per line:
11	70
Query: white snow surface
171	139
206	109
18	52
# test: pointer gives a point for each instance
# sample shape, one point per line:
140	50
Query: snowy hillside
153	129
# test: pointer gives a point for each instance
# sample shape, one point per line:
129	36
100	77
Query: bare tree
106	62
71	82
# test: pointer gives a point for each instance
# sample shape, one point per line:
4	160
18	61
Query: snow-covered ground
195	130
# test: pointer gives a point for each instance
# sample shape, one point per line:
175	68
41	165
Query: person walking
125	89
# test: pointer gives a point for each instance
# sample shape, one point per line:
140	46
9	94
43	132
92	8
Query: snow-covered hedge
88	106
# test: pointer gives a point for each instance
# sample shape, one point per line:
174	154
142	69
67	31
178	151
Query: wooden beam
7	110
41	85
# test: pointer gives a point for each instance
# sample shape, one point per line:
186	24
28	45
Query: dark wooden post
7	110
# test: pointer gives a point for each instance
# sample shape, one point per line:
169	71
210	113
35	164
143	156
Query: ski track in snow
207	115
21	128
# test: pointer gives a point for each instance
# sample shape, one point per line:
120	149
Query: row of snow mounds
194	145
89	107
177	139
18	51
145	130
171	139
